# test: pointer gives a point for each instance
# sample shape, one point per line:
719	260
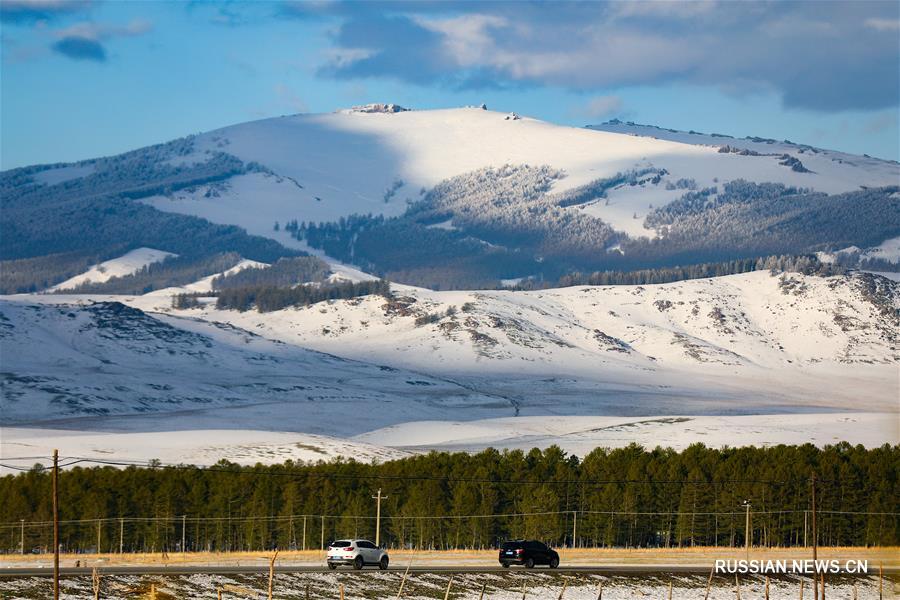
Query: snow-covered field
422	586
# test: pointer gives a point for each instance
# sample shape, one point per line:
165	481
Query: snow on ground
537	584
712	360
775	341
579	435
200	447
61	174
128	263
332	165
888	250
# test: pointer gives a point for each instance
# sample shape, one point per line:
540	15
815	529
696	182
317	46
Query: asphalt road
261	569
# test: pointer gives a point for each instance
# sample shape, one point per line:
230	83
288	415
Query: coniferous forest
629	497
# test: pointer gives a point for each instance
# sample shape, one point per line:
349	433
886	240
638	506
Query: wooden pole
815	537
272	573
600	591
562	592
403	581
854	591
737	583
802	582
481	595
342	591
121	535
823	586
95	583
670	590
98	535
881	581
219	593
304	532
767	587
22	536
322	542
183	527
709	583
523	590
55	524
449	584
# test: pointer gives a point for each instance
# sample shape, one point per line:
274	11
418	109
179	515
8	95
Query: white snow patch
127	264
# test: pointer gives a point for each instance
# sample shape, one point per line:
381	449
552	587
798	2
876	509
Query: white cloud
602	106
91	30
883	24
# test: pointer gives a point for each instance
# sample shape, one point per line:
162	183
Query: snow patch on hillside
127	264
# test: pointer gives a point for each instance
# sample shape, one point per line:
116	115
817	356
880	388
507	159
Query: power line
277	518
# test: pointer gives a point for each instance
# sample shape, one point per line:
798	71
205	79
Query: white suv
357	553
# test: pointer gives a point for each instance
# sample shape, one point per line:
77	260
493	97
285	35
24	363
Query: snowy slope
710	360
331	165
730	343
128	263
76	366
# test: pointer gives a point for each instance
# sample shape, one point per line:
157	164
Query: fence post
562	592
272	572
737	582
403	581
709	582
600	591
481	595
95	583
449	583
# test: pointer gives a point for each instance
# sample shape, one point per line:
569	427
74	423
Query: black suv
528	553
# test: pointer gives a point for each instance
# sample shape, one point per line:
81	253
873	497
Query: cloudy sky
82	78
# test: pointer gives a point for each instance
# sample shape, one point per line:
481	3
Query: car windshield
339	544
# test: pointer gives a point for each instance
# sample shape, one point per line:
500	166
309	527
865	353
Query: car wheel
529	563
358	563
383	564
505	565
554	562
332	566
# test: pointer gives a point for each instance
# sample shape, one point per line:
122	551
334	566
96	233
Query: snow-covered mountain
446	198
328	166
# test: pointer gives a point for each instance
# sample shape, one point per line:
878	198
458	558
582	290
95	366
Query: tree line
630	497
269	298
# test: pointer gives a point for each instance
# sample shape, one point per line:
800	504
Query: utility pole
121	534
378	498
22	537
574	527
98	536
304	532
747	528
322	542
815	537
183	525
55	479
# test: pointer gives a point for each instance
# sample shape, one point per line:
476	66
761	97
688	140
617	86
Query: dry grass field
889	557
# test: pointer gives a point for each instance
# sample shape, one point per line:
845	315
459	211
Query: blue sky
84	78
